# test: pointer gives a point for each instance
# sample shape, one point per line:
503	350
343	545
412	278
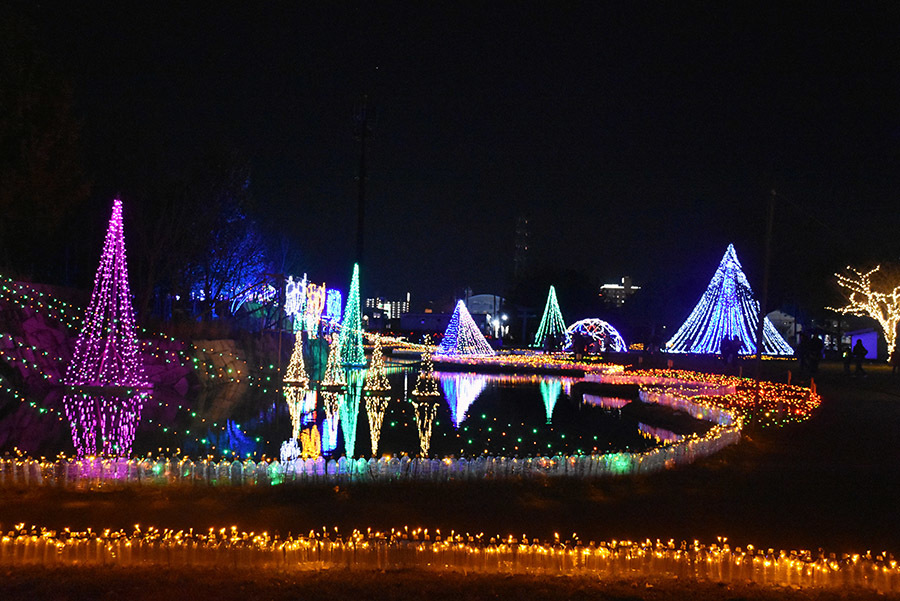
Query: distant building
617	294
484	303
424	323
485	309
393	309
520	258
869	338
786	324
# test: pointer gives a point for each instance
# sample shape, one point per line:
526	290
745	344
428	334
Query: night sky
638	138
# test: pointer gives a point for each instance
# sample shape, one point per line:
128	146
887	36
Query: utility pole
363	133
764	293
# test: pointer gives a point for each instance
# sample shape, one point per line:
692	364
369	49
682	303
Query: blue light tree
463	337
727	309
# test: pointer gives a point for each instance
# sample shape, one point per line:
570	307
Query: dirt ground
832	482
155	585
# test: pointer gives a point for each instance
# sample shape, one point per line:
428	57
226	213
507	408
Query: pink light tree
106	352
104	410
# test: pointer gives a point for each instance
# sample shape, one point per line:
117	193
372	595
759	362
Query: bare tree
875	294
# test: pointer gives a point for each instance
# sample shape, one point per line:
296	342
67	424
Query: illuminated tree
351	326
552	324
376	376
426	384
334	373
865	299
727	309
296	372
106	351
463	337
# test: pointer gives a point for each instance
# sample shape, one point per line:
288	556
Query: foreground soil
832	482
153	585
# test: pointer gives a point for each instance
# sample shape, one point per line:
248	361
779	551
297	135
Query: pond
475	414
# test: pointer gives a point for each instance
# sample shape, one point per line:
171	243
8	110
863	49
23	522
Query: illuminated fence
96	472
92	473
403	550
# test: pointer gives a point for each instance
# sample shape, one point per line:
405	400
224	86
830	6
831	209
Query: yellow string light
864	300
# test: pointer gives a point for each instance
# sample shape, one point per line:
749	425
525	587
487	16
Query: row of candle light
402	549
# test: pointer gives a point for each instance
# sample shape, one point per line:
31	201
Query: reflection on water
461	390
375	407
605	402
550	391
425	412
331	404
476	414
349	409
659	434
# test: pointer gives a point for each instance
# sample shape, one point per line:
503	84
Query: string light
461	390
295	296
537	363
331	402
334	376
426	384
106	355
310	443
864	300
349	410
550	391
727	309
106	351
458	552
463	337
352	353
295	397
552	325
600	332
425	412
296	371
376	375
315	304
376	405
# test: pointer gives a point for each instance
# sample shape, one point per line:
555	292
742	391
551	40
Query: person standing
859	353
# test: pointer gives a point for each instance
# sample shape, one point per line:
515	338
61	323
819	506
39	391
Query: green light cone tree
352	353
552	324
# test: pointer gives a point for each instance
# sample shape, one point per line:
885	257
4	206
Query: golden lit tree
874	294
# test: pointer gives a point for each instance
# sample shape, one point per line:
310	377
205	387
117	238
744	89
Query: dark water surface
475	414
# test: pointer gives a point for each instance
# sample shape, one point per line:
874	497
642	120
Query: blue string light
727	309
463	337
